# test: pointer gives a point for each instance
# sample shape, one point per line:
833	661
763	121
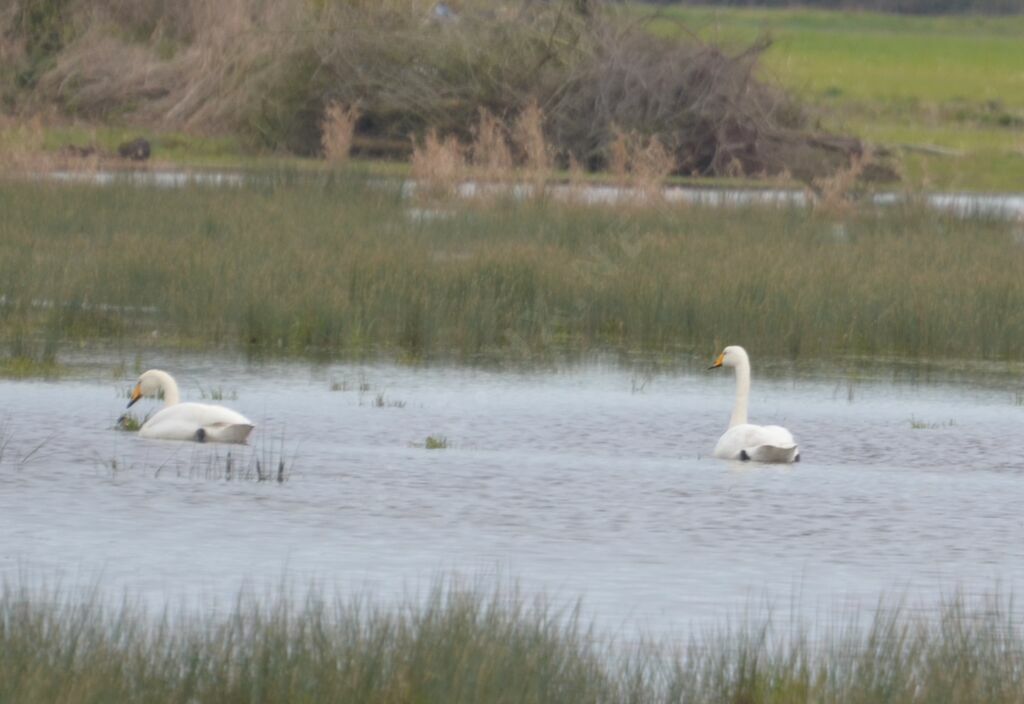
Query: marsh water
591	481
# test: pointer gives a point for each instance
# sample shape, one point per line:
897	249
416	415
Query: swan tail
771	453
227	432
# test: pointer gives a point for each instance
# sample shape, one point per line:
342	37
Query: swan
187	421
743	441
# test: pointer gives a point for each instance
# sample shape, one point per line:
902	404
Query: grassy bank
944	93
461	645
339	264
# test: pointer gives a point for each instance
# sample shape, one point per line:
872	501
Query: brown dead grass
438	165
535	152
640	164
338	128
492	156
837	194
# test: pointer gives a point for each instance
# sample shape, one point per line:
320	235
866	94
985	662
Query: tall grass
460	644
336	265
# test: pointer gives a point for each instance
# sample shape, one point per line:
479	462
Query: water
1006	205
591	482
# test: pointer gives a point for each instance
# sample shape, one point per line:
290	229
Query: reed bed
463	644
339	265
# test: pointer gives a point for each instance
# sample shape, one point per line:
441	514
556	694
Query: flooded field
592	482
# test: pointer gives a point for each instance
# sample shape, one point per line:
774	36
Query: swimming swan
743	441
187	421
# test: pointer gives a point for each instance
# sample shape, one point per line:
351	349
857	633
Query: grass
918	424
459	644
436	442
241	463
332	266
895	80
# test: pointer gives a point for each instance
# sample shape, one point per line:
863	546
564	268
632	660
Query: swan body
201	422
744	441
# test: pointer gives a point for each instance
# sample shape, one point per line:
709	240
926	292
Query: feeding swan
187	421
743	441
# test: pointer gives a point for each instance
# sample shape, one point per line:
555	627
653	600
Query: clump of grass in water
130	422
464	645
218	394
923	425
436	442
380	401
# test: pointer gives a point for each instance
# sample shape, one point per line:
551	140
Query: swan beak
136	395
718	362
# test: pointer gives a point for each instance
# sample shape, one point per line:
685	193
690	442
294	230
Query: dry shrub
338	128
214	81
438	165
491	154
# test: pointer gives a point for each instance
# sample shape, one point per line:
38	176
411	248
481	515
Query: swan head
150	383
732	356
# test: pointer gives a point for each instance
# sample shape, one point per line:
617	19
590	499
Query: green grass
436	442
951	81
332	265
459	644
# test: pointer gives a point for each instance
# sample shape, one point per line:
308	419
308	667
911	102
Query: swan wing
184	421
761	443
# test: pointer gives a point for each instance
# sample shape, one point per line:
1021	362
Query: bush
270	70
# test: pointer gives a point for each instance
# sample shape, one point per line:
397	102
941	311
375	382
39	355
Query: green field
337	264
899	81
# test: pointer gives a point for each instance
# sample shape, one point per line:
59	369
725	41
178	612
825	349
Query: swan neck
170	388
739	411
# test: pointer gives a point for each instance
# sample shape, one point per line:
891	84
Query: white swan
743	441
187	421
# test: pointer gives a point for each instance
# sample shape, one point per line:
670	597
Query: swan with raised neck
743	441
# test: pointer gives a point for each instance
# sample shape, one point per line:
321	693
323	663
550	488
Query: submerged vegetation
338	265
458	644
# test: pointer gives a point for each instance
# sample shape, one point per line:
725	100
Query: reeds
458	643
337	131
334	265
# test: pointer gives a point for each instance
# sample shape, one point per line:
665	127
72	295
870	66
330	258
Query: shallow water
590	482
1007	205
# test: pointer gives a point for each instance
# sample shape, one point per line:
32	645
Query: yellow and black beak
718	362
136	395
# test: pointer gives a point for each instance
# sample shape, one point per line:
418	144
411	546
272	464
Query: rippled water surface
591	482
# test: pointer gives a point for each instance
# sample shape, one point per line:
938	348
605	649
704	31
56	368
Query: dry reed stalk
536	154
337	130
835	194
492	157
437	165
577	180
618	157
651	165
